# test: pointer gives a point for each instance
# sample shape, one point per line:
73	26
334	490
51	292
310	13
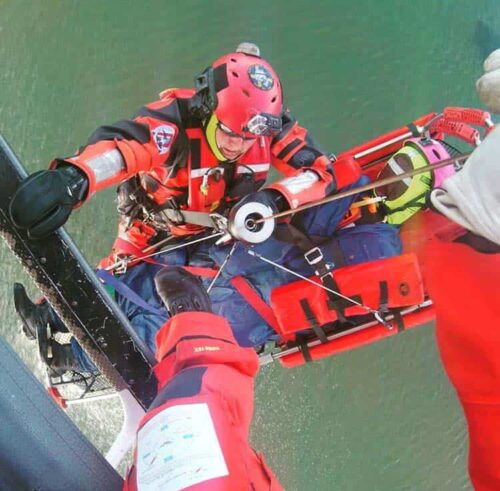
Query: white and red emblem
163	136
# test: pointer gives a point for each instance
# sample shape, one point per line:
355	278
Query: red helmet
243	91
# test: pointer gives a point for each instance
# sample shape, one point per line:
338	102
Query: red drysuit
195	434
465	287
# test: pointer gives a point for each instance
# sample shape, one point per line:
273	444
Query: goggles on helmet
229	132
264	124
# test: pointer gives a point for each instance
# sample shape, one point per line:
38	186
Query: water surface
379	418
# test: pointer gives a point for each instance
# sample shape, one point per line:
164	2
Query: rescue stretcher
308	326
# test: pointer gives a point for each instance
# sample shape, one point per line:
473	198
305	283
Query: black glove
131	198
244	214
45	199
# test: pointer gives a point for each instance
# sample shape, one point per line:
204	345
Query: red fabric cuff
191	324
484	452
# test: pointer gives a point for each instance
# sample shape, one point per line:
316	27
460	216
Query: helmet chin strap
210	128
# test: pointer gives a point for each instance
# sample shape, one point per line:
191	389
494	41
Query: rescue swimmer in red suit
462	270
195	433
203	150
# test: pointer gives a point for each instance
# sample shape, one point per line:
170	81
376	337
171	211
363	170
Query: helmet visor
229	132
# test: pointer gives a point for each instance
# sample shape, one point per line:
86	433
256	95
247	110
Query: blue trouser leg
140	279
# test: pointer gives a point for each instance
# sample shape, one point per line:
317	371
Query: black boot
58	357
62	359
34	315
180	291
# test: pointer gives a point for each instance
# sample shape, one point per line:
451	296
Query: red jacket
195	434
165	146
465	287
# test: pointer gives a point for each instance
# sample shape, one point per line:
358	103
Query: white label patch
178	448
162	136
300	182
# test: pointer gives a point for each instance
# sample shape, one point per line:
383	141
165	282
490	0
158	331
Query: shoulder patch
163	136
261	77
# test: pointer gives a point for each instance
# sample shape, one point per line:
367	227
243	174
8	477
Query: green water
379	418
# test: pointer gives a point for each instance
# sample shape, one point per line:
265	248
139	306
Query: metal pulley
249	225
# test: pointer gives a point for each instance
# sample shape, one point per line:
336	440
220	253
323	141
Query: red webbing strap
137	253
129	248
255	301
201	271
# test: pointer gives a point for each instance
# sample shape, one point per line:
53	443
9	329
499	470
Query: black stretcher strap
414	129
304	349
315	325
384	297
398	318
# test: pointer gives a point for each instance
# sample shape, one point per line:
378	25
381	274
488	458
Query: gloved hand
252	207
44	201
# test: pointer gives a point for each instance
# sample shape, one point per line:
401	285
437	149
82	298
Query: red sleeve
309	173
116	152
